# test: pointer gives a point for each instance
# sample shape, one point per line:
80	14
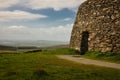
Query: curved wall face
97	26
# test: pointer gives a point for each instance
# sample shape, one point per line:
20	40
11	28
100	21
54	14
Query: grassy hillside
46	66
111	57
38	43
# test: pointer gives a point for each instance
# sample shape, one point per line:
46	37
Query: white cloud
16	27
18	15
42	4
55	4
12	31
61	33
67	19
7	3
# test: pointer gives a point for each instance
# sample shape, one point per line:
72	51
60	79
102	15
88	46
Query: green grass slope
46	66
111	57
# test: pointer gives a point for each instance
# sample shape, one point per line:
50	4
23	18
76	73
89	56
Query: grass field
46	66
111	57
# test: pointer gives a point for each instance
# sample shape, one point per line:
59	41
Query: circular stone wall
97	26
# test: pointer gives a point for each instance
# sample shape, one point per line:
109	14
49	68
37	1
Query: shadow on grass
40	73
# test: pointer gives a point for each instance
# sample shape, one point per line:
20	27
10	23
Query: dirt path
82	60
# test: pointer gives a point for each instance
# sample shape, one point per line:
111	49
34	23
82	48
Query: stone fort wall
97	26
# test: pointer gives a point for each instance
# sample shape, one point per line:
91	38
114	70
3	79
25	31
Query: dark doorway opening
84	42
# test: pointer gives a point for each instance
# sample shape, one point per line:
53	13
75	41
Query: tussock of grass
113	57
41	66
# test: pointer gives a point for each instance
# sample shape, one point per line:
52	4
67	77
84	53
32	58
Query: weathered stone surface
100	21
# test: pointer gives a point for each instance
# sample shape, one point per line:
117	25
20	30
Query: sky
37	19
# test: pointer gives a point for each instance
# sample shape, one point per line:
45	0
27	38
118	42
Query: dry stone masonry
97	26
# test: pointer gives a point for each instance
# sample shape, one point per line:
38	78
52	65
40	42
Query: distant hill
38	43
55	47
2	47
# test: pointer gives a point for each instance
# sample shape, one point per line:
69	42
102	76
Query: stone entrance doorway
84	42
